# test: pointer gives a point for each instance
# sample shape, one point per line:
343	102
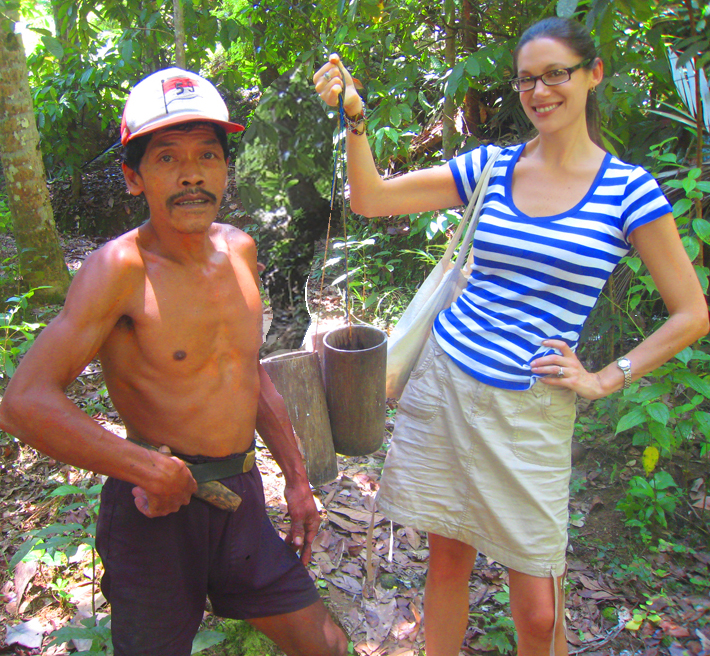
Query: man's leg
306	632
446	595
532	602
152	575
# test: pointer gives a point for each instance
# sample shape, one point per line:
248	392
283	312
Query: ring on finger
561	373
326	76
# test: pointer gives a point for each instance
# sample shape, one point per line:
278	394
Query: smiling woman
489	411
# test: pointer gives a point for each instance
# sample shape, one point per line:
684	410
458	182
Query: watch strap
626	370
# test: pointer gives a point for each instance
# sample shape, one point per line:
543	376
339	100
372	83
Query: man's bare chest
180	326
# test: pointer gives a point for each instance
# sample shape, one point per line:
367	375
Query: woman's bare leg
446	595
532	602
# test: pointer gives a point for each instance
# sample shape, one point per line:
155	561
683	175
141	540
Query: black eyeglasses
549	79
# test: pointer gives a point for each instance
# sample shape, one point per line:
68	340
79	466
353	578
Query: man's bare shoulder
121	252
236	243
234	238
109	273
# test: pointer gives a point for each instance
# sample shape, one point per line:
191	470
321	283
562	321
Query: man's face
183	175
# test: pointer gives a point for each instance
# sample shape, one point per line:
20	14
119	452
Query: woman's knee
532	602
536	622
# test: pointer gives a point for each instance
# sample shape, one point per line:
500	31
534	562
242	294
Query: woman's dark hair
577	39
134	150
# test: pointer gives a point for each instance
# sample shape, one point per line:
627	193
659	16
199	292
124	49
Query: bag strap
473	209
473	214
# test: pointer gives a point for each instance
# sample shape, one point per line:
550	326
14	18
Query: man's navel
179	355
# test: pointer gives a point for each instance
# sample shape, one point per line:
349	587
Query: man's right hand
170	488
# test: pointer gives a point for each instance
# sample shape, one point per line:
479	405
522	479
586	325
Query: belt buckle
249	461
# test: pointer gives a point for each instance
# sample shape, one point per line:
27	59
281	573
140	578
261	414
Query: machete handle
214	492
218	494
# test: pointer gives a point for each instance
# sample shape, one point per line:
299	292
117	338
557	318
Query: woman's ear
597	72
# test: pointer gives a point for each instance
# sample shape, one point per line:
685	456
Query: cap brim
183	118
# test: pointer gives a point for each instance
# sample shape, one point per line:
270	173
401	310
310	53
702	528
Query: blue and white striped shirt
537	278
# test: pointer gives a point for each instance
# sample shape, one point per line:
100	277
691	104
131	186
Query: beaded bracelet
358	124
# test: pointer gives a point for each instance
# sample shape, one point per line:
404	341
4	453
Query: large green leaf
206	639
702	229
631	419
688	378
53	46
692	246
658	412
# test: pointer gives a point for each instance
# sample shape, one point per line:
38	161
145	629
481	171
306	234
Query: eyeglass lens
550	79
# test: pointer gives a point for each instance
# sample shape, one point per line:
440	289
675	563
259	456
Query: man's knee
310	631
337	642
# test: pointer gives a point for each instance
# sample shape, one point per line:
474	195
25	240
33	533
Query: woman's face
561	107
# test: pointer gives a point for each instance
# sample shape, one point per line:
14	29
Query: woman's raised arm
371	195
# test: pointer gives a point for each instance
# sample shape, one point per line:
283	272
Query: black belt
214	470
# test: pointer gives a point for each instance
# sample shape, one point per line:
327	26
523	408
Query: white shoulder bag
441	288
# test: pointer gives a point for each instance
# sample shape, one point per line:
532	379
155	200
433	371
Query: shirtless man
173	311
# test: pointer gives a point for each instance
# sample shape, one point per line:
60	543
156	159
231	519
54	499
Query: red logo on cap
181	85
179	88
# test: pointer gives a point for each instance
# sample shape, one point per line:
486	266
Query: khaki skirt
489	467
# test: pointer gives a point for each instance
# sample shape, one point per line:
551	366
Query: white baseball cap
172	96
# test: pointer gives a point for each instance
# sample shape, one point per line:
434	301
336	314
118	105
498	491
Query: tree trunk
448	128
65	33
41	261
179	21
472	101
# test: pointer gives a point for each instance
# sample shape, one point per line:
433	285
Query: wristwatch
625	365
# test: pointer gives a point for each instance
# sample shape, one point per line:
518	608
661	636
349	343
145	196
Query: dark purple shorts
158	572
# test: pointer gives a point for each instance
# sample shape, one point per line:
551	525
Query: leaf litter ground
371	573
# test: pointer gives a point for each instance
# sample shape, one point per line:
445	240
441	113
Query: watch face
624	363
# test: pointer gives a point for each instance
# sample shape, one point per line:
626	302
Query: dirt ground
371	573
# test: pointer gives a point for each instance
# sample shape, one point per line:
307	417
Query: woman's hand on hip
566	370
330	79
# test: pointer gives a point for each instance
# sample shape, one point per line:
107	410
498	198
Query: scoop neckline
561	215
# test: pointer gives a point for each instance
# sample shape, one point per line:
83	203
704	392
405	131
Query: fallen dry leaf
24	573
672	629
414	539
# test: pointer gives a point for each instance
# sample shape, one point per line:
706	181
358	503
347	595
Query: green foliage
99	403
288	140
206	639
649	502
82	70
16	334
62	542
242	639
498	632
382	272
91	628
5	215
671	412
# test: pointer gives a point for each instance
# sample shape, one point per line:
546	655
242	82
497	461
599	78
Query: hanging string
338	161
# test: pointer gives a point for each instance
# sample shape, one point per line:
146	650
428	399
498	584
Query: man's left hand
305	520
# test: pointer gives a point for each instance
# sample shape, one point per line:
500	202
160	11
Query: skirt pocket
424	393
544	426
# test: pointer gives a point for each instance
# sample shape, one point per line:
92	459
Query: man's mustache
195	191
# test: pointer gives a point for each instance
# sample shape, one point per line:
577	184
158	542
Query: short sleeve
466	170
643	201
